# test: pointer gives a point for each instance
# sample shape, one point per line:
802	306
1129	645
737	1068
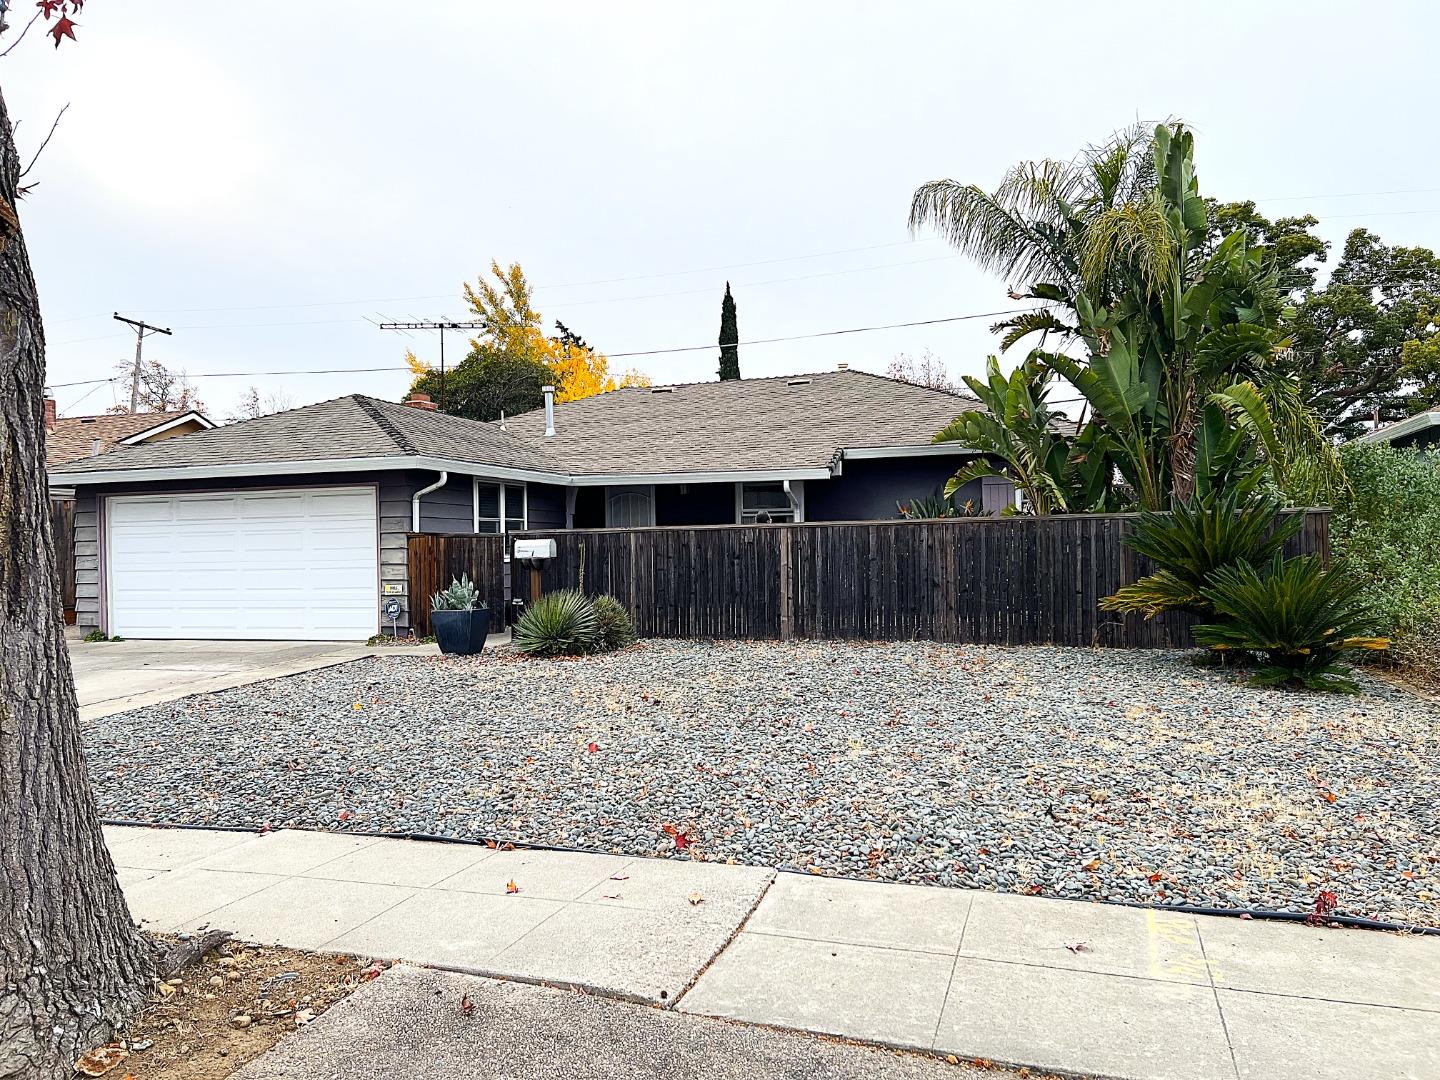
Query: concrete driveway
112	676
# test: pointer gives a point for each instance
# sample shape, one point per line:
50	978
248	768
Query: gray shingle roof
790	422
351	427
793	421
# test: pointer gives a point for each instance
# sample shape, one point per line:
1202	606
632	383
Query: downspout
415	500
794	500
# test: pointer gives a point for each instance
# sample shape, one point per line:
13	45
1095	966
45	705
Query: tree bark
73	967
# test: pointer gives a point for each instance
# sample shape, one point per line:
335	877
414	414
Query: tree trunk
72	965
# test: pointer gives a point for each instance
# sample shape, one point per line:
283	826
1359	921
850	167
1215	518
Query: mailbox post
532	553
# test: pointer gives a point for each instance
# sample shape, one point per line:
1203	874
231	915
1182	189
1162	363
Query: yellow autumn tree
513	325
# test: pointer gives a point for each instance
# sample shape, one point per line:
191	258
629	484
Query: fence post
787	596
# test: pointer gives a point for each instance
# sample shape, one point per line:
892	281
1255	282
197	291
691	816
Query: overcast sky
262	177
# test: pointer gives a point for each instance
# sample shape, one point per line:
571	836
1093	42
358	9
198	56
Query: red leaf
681	841
466	1005
592	747
49	7
64	27
346	815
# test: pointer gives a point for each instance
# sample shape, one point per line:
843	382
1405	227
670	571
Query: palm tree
1113	245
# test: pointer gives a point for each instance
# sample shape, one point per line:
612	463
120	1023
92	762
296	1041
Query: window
629	507
501	507
768	497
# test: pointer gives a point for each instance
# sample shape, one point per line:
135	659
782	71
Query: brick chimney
49	413
421	401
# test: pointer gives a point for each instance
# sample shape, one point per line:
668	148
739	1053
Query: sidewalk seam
1219	1008
730	940
954	965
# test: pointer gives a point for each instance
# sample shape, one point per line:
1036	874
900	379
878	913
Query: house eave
1411	426
293	468
433	464
860	453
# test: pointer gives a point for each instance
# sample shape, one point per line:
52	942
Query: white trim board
222	470
160	429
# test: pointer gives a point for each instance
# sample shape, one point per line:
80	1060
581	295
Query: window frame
797	502
501	522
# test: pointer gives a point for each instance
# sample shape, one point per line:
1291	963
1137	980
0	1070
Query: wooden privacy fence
435	558
62	526
1013	580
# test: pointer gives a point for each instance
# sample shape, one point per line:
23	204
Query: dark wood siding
1015	580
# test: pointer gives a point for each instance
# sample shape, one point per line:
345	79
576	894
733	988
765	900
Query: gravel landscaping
1064	772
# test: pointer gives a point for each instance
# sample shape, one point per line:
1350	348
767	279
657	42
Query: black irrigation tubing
1352	922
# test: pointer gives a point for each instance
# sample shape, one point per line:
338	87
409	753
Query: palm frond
1134	239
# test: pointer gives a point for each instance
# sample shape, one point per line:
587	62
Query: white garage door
294	564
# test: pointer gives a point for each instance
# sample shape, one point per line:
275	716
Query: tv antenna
436	324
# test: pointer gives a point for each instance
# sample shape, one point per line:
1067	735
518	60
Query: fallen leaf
466	1005
592	747
511	887
346	815
1078	946
619	877
695	899
101	1060
359	705
1092	865
681	841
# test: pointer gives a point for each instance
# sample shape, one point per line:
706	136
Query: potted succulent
459	618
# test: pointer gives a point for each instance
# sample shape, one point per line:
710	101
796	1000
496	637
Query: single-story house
1419	431
294	525
70	438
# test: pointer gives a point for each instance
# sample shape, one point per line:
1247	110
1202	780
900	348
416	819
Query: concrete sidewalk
1085	989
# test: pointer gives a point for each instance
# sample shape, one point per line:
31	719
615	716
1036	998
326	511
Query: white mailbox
534	549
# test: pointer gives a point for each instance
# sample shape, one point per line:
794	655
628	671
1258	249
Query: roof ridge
387	426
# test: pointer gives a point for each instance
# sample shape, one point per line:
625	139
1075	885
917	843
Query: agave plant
560	623
460	595
1299	615
1191	543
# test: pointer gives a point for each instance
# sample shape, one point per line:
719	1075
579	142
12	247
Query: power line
825	333
613	355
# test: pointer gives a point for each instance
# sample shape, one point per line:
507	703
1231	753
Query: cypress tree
729	338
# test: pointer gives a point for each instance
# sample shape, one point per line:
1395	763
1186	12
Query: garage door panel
139	510
284	564
216	508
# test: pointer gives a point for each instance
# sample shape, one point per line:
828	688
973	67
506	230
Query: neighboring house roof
348	432
788	422
795	426
1401	429
74	437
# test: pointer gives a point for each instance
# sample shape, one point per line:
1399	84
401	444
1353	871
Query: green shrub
1193	541
462	595
96	635
614	627
1298	615
557	624
1387	528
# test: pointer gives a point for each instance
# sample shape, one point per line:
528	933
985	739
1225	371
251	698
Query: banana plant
1028	443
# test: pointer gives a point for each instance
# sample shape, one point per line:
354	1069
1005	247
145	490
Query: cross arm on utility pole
141	329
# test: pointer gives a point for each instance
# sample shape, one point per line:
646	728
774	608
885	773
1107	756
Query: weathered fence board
436	558
1015	580
62	526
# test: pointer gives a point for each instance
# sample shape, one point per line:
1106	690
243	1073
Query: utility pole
141	329
436	324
